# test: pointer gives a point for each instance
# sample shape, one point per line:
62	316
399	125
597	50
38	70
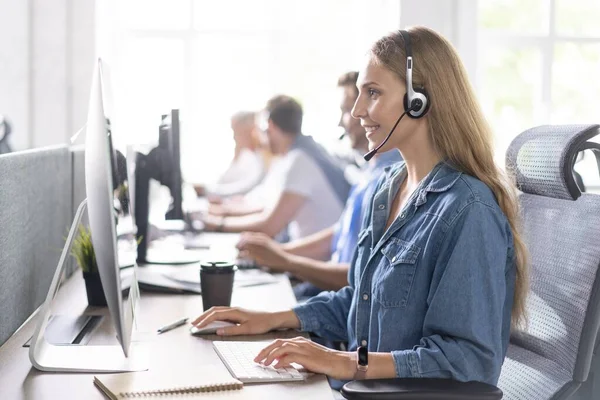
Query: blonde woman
248	166
439	272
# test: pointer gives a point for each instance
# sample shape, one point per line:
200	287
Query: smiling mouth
371	129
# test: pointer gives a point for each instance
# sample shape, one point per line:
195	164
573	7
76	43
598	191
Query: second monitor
163	164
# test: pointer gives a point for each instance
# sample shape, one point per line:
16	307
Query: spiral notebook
188	385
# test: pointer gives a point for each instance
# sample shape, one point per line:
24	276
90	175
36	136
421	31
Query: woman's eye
373	92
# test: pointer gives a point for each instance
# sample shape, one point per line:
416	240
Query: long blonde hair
458	129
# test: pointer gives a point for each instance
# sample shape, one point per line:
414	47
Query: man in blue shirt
322	260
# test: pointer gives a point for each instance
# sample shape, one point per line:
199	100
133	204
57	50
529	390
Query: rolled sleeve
326	314
406	364
308	321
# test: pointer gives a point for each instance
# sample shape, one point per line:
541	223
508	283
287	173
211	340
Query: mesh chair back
561	229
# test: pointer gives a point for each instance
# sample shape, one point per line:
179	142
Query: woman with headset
439	275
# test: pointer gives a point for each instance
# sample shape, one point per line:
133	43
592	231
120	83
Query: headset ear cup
427	103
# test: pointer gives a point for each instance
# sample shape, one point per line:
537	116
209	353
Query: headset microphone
372	153
343	135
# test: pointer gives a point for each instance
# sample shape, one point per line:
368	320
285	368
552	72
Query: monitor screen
106	188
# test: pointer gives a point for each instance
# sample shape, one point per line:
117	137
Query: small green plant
83	251
122	195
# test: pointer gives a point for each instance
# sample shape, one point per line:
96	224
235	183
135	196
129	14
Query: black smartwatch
362	362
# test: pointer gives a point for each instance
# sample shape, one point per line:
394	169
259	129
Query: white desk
171	351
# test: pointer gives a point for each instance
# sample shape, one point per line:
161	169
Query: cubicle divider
39	192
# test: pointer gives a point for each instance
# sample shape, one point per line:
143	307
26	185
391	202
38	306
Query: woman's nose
358	111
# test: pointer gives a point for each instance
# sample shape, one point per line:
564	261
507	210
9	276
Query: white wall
455	19
14	71
47	53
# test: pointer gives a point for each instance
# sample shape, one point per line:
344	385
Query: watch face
363	356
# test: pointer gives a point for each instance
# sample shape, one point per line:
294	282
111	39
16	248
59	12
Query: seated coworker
248	166
440	271
304	187
304	257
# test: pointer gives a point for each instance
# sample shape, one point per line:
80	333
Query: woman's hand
312	356
264	251
249	322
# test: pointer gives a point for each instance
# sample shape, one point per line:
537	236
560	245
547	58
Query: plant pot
93	287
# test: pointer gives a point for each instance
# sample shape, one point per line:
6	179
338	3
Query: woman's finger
219	314
309	362
265	351
283	362
287	349
241	329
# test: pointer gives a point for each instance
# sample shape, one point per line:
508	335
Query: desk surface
171	351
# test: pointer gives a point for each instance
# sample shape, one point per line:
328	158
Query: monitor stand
45	356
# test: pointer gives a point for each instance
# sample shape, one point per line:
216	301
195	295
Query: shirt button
365	297
402	215
363	343
382	207
394	259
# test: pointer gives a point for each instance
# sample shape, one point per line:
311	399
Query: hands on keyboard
238	357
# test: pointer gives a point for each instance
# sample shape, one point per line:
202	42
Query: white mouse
210	328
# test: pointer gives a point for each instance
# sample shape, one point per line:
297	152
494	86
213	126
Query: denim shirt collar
441	178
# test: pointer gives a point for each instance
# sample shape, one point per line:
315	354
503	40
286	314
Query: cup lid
218	266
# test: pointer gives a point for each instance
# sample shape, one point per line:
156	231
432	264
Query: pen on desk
174	325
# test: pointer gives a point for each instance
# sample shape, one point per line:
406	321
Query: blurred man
304	190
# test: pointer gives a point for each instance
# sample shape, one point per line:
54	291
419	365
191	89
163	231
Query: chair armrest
419	389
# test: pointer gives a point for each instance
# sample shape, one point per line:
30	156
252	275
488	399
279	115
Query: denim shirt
436	289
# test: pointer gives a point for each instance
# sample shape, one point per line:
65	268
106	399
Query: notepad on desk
165	385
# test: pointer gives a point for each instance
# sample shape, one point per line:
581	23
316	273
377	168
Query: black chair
552	358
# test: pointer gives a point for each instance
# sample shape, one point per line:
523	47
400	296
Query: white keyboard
238	358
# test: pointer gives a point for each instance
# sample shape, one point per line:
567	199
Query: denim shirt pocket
396	272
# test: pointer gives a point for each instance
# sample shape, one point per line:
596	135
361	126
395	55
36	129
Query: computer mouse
210	328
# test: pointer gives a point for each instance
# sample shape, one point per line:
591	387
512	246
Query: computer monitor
162	164
102	178
100	167
173	147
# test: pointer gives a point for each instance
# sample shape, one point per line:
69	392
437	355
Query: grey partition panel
78	193
35	214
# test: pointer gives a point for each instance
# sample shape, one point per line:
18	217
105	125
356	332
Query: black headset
415	100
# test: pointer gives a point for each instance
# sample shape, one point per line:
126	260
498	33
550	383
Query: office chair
552	358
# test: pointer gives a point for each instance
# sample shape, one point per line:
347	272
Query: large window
538	63
214	58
